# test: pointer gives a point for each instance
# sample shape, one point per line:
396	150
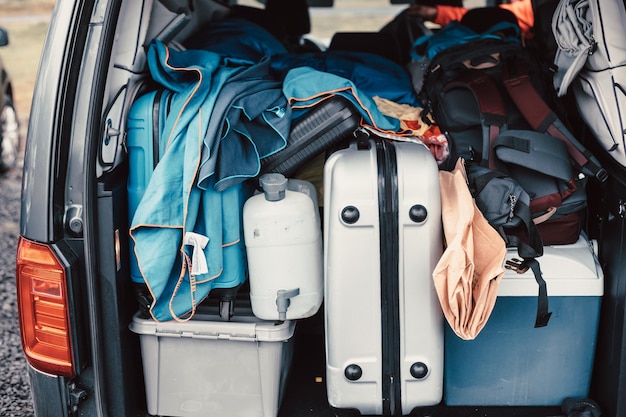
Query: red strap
535	110
543	203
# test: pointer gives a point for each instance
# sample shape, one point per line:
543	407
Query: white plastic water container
283	238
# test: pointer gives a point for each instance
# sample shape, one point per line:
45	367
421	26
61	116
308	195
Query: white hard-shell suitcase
382	240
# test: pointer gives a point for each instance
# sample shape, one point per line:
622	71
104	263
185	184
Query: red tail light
43	309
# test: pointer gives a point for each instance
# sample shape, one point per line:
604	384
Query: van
91	351
9	122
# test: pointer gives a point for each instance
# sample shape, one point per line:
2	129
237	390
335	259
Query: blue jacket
455	33
304	87
235	37
188	239
251	120
370	73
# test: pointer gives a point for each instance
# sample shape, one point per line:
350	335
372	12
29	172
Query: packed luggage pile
433	206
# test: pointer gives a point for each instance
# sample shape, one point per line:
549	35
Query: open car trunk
110	375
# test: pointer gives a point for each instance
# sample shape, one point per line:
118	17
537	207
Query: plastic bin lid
569	270
243	326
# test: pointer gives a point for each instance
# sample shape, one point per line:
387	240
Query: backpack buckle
517	265
602	175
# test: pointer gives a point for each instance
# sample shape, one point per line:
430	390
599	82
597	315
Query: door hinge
75	395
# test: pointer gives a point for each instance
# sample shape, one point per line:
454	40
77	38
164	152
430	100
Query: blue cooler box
511	362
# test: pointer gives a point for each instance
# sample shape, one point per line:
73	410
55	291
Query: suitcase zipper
389	276
159	113
156	127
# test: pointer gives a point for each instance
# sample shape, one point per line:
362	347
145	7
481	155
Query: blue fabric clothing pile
237	38
187	234
372	74
455	33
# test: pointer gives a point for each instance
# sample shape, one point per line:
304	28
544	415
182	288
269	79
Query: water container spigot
283	299
274	186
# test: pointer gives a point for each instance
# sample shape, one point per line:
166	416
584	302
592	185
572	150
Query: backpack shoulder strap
541	118
543	315
529	252
490	105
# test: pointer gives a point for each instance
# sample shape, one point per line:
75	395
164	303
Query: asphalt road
15	399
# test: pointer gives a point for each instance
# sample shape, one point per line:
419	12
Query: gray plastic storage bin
210	367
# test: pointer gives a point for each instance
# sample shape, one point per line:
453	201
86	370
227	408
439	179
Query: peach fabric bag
468	273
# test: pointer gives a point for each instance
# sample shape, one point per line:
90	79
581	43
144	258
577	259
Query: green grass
21	58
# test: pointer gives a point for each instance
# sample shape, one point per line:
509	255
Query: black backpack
477	89
481	90
488	96
506	206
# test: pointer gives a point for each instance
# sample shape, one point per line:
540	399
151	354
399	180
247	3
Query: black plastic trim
389	276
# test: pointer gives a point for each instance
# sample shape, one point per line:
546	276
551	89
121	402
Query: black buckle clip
517	265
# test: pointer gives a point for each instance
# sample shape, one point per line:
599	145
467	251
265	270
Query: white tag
198	260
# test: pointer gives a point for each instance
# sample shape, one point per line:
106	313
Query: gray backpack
506	206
